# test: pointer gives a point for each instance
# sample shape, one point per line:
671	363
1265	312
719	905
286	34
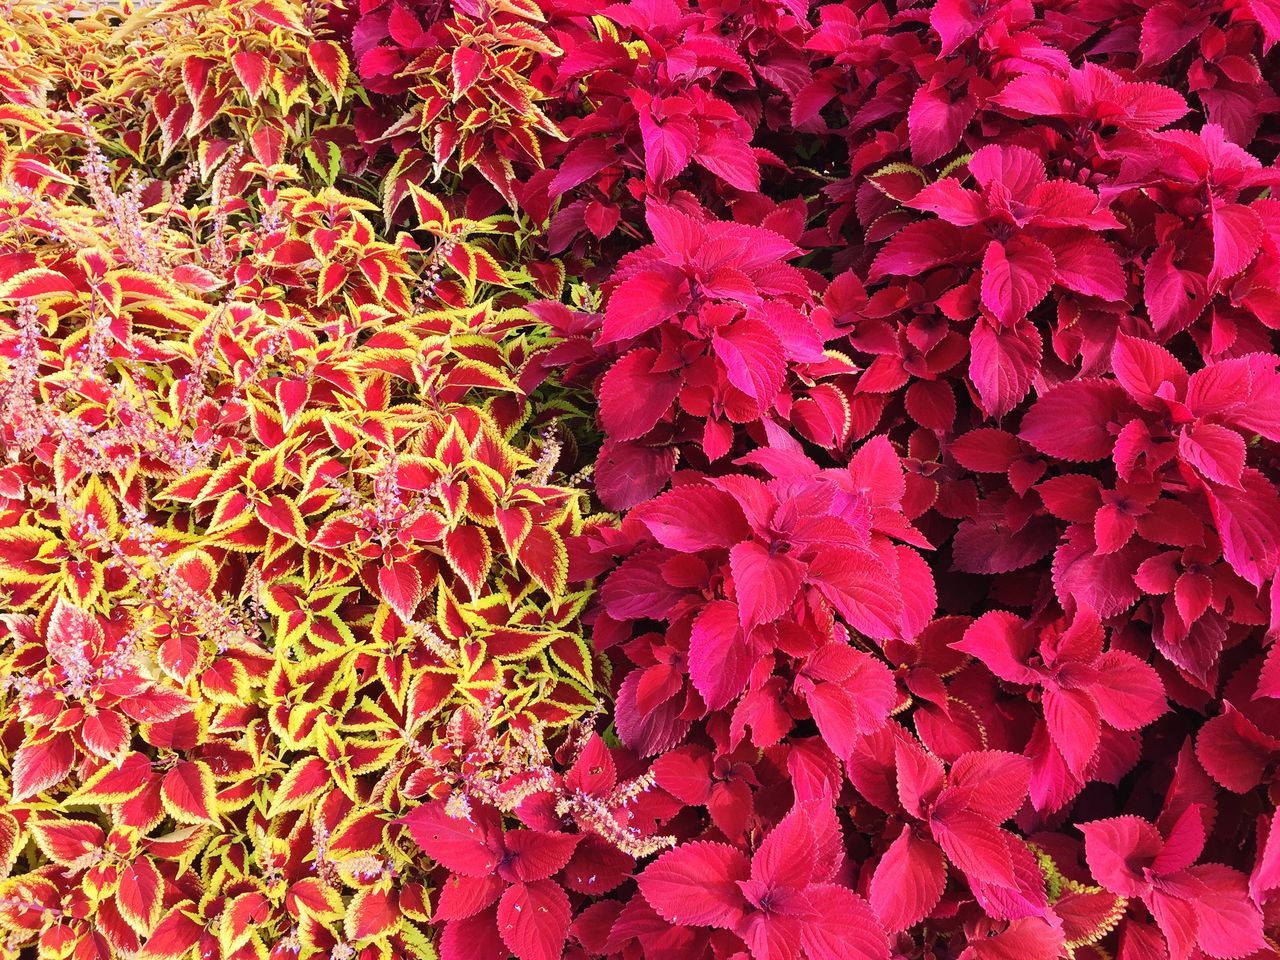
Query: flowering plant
745	480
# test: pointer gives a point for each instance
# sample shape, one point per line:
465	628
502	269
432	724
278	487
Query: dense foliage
740	479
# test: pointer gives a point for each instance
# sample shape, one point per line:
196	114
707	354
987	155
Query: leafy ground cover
742	479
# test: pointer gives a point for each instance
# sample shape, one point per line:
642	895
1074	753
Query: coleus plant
782	901
703	332
926	354
952	400
282	513
468	80
767	565
217	72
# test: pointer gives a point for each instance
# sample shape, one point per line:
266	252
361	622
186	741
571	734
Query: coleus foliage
1036	246
470	73
284	551
213	73
926	353
706	325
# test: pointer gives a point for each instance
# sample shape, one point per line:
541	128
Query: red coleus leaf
908	881
1074	420
935	122
530	855
859	587
1129	692
1148	372
1217	452
1026	938
465	896
1204	905
986	450
697	884
841	926
994	783
730	157
917	248
594	771
951	201
467	846
753	359
1073	722
767	583
1249	525
670	138
955	21
533	920
1016	276
1166	29
1116	848
1237	236
582	162
1002	363
693	517
976	847
642	302
1174	297
473	938
849	693
634	395
798	851
1234	751
1228	923
1088	265
720	658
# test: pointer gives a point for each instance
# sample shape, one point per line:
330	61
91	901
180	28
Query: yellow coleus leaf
37	283
241	920
25	554
329	63
188	793
281	515
373	913
303	783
